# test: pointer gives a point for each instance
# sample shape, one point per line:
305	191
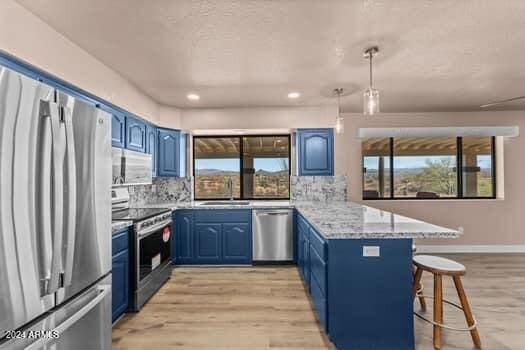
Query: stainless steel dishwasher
272	235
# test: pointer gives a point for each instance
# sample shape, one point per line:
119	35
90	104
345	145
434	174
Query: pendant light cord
371	56
338	102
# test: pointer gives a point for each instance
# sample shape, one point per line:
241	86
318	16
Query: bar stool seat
440	267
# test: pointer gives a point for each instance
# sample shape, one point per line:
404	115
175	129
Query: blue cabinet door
184	252
237	243
120	284
208	243
135	134
151	146
169	157
118	131
306	263
315	152
300	251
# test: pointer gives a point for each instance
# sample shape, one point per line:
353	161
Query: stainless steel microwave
131	168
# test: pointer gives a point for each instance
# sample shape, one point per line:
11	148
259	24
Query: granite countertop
341	220
119	225
198	205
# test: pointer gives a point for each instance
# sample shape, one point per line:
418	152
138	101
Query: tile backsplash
318	188
162	190
172	189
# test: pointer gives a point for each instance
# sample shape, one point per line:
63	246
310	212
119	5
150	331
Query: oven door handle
153	229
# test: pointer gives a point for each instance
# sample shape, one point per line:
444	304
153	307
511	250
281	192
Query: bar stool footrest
468	329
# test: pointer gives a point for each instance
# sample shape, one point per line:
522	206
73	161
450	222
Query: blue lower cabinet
319	301
183	251
370	304
120	289
306	262
213	236
120	284
363	302
237	243
208	243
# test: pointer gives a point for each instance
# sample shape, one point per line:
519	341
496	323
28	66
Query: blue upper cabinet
169	153
151	146
315	152
135	134
118	131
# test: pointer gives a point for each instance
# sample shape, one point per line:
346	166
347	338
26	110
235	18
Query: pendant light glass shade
371	95
371	101
339	124
339	120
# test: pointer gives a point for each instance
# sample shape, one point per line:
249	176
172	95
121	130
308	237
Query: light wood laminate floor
267	308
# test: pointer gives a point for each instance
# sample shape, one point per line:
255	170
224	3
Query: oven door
153	250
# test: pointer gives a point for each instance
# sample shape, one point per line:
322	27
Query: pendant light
339	120
371	95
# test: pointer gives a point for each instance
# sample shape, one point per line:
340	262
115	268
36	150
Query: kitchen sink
226	203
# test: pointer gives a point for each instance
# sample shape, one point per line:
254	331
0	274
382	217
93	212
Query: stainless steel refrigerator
55	219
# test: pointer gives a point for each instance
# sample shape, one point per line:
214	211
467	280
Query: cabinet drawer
319	301
119	242
318	243
222	216
318	269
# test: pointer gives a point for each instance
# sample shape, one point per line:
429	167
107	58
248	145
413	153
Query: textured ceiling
443	55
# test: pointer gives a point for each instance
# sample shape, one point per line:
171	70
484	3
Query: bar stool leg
467	310
438	309
417	286
417	281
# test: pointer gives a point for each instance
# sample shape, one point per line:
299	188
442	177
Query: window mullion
241	162
493	160
391	167
459	167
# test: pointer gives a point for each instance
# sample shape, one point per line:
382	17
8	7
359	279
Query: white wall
169	117
486	222
25	36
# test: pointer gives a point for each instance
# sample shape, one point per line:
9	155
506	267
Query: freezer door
86	254
26	220
83	323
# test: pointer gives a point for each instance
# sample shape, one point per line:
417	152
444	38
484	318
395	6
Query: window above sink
241	167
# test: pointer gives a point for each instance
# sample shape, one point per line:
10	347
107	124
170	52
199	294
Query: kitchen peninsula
356	265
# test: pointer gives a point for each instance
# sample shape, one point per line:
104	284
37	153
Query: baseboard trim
471	248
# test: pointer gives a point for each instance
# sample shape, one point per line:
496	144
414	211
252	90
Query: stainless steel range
151	246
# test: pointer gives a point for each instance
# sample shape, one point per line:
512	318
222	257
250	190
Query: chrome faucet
230	187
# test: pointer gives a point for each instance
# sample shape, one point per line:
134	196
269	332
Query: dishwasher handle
276	213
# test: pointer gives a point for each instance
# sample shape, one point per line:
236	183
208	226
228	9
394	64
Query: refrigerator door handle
58	140
71	206
45	239
103	291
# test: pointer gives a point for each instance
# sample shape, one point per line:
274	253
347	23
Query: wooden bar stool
440	267
419	286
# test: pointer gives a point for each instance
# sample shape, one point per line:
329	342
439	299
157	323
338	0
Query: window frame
241	152
459	175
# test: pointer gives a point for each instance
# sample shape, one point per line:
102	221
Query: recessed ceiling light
193	97
294	95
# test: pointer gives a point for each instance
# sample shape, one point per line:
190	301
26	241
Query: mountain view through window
262	172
